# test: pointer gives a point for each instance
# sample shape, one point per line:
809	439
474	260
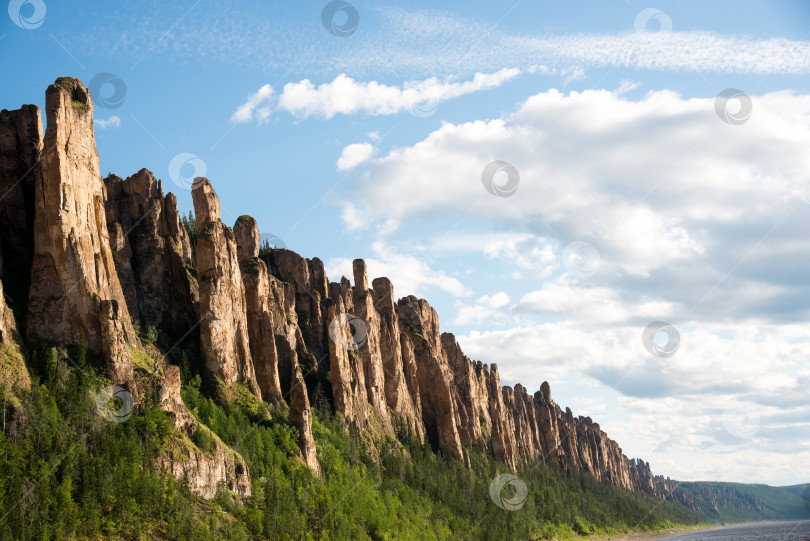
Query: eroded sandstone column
345	365
73	270
420	321
301	418
401	381
369	349
223	325
260	313
152	253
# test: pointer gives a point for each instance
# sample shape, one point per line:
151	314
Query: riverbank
672	532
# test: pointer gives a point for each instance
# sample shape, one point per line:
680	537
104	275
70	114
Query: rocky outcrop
308	279
223	326
368	345
345	366
20	155
115	347
262	307
301	418
204	470
430	388
471	395
401	382
420	321
73	272
152	253
503	426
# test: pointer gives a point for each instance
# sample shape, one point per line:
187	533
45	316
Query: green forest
67	473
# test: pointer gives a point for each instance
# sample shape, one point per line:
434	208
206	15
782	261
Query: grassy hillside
66	473
745	502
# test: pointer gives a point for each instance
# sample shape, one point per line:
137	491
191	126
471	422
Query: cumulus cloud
257	106
346	96
104	123
592	306
657	186
486	307
354	155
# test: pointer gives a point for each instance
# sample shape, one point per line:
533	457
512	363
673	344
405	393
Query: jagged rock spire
260	309
152	253
73	272
223	325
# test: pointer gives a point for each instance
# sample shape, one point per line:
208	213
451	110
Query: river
767	531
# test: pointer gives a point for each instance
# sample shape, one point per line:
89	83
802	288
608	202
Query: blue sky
636	201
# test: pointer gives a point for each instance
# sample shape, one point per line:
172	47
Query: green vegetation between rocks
65	473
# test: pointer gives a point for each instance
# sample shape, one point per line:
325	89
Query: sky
611	197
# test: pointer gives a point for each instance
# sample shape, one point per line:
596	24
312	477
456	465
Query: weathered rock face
369	348
152	253
115	347
401	382
471	395
73	270
20	155
203	469
223	326
301	418
345	366
309	282
435	381
261	310
503	426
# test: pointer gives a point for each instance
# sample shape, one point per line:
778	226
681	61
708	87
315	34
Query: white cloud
650	183
591	306
256	105
486	307
529	256
494	301
346	96
354	155
104	123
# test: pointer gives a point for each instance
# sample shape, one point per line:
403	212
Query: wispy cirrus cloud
420	42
